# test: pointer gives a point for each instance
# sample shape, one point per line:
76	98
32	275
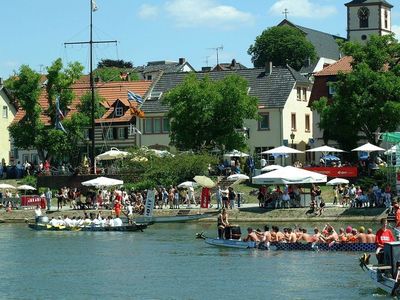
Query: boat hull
171	219
380	279
362	247
128	228
231	243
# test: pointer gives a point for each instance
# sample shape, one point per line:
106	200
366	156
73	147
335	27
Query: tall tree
31	132
367	100
205	113
281	45
119	63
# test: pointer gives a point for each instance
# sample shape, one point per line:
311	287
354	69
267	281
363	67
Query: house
323	87
116	128
228	66
152	70
8	111
325	45
283	95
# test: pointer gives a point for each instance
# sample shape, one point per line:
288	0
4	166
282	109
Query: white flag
94	6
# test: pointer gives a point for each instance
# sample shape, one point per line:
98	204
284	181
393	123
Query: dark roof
229	66
324	43
358	2
165	66
272	90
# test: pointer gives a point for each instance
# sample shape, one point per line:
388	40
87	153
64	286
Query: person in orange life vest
383	236
117	208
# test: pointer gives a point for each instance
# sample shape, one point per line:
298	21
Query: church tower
367	17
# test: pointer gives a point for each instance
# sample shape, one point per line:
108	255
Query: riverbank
247	213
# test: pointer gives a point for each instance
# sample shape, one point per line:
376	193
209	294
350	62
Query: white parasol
336	181
204	181
282	150
289	175
114	153
26	187
236	153
102	182
235	177
368	147
187	184
6	186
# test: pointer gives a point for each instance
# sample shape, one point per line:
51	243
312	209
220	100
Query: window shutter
126	132
115	133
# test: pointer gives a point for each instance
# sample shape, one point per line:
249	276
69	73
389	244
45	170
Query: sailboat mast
92	152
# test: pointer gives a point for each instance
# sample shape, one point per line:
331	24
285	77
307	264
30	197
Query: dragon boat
361	247
48	227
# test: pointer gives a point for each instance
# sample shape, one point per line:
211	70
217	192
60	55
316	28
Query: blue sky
34	31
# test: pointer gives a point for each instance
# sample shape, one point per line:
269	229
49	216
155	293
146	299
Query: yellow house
8	112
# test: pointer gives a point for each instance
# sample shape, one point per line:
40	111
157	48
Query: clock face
363	13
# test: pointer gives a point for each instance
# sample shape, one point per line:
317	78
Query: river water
167	262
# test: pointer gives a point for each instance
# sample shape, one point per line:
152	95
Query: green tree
119	63
366	100
31	132
281	45
206	113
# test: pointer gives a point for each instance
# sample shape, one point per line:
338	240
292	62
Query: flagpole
92	153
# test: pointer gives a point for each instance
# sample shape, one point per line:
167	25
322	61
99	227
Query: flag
94	6
59	116
134	97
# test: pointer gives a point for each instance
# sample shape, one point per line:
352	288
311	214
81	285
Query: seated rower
117	222
361	236
53	222
370	236
251	236
265	237
292	236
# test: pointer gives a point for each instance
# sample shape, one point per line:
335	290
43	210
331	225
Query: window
34	159
304	94
121	133
149	77
165	125
119	111
386	19
293	122
156	125
307	125
331	88
299	93
263	123
148	125
268	157
109	134
5	112
86	134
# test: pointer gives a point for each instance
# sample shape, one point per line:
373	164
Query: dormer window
119	111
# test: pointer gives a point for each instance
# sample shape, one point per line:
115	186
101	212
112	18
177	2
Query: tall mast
93	8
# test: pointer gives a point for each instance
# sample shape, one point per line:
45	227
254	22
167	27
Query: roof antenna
217	49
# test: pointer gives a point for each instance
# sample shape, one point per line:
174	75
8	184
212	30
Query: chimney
233	64
206	69
1	82
182	60
268	68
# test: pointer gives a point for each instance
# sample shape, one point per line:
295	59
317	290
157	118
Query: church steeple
367	17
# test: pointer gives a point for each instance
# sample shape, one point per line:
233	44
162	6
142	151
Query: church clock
363	13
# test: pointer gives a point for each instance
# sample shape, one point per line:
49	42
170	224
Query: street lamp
292	136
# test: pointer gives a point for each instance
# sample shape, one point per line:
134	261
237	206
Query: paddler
222	223
384	235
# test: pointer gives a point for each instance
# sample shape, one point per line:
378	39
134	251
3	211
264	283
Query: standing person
335	194
383	236
59	197
232	197
192	196
218	196
222	223
38	214
117	208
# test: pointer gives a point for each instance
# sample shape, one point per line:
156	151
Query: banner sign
32	200
343	172
148	209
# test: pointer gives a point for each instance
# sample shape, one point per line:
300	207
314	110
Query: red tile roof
110	91
342	65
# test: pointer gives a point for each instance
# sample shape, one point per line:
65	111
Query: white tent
26	187
282	150
368	147
102	182
289	175
6	186
271	168
324	149
187	184
336	181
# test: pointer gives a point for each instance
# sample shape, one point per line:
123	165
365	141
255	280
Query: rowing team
327	235
86	221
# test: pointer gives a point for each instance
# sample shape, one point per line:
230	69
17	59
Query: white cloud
303	8
396	30
191	13
147	11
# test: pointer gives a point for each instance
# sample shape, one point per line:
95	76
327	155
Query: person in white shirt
192	196
117	222
38	213
67	221
53	222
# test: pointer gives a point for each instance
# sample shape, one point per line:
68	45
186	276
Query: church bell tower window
363	15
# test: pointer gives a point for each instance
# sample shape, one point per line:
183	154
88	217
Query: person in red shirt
383	236
397	214
117	208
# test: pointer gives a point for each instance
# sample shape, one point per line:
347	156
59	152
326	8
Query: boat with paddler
124	228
